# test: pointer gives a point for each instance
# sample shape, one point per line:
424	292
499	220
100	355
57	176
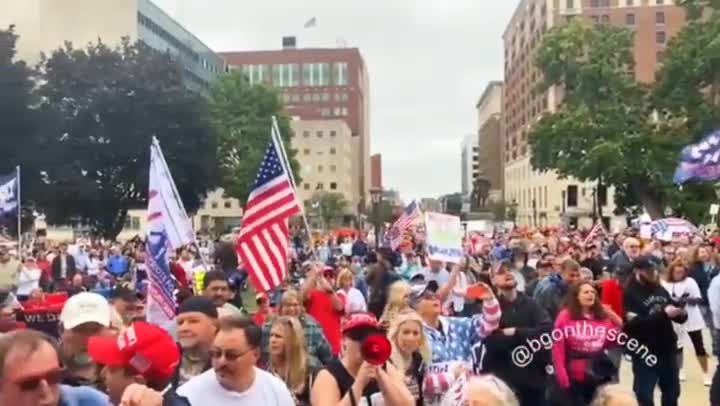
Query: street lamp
376	198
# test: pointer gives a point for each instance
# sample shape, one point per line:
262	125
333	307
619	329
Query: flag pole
286	165
19	214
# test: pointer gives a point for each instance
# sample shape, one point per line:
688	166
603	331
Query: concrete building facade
324	152
45	25
490	153
542	198
469	168
319	84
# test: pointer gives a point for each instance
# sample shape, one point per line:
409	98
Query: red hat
358	320
147	348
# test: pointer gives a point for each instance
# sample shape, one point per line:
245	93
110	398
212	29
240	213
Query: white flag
164	204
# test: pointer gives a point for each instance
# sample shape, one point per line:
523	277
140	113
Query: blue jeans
664	374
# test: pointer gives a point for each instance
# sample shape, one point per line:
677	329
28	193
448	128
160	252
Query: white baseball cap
85	307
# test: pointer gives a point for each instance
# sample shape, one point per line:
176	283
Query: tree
386	213
607	126
330	206
242	115
104	105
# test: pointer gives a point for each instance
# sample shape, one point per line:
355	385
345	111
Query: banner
444	237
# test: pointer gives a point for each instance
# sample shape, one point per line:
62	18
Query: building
319	84
324	152
469	168
44	25
490	161
542	198
376	174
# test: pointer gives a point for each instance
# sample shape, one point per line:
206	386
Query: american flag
406	224
597	231
264	236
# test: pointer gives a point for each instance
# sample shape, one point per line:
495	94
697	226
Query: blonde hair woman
354	299
289	359
410	351
398	302
480	390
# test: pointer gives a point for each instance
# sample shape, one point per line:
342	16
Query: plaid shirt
316	343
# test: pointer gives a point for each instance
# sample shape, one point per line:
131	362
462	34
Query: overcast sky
428	60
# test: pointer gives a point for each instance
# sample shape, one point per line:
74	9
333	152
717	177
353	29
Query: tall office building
318	84
45	25
490	157
542	198
469	163
376	172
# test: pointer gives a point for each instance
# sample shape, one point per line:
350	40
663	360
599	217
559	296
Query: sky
428	62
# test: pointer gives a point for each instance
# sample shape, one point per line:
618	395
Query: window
659	1
316	97
306	186
320	168
570	3
333	186
135	223
286	98
594	3
629	3
660	56
307	97
319	186
325	112
340	73
333	151
333	133
296	98
605	19
630	19
214	205
572	196
338	97
345	97
336	111
333	168
660	37
306	134
316	74
306	151
344	111
659	17
325	97
319	134
256	73
285	75
228	204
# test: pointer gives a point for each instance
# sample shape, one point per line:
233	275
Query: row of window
227	204
306	151
319	134
629	18
334	112
539	196
606	3
314	97
289	75
321	186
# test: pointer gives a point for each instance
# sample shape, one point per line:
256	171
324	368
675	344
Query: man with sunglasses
234	378
30	374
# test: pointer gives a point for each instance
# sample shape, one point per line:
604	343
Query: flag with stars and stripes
598	230
700	161
263	243
406	224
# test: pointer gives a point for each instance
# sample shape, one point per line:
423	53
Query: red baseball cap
147	348
358	320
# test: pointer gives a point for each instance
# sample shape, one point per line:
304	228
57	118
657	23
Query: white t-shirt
354	301
346	248
267	390
695	319
28	280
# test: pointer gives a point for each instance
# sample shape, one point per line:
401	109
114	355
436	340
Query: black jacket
170	398
69	267
703	278
648	323
530	321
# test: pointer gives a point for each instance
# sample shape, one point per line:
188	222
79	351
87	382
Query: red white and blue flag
263	243
597	231
409	223
169	228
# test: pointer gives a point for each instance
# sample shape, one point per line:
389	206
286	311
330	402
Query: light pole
376	196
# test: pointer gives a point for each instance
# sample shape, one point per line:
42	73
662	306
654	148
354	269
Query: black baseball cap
645	263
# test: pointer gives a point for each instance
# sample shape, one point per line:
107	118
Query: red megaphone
376	349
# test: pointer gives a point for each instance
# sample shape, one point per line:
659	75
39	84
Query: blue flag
8	194
700	161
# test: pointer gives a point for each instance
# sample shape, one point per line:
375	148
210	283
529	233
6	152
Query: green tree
386	213
607	126
104	106
19	121
242	115
330	207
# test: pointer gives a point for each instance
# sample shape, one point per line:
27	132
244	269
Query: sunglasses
230	355
31	383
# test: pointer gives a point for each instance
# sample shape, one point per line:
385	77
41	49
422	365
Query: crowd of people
531	317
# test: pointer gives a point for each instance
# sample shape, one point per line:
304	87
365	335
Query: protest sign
444	237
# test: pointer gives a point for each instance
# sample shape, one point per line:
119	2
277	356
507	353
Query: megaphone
376	349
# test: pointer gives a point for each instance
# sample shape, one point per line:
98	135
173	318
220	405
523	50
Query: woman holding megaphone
362	376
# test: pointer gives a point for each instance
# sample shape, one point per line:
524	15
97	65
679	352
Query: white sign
444	237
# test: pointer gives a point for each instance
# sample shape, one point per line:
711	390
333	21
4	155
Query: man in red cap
143	354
